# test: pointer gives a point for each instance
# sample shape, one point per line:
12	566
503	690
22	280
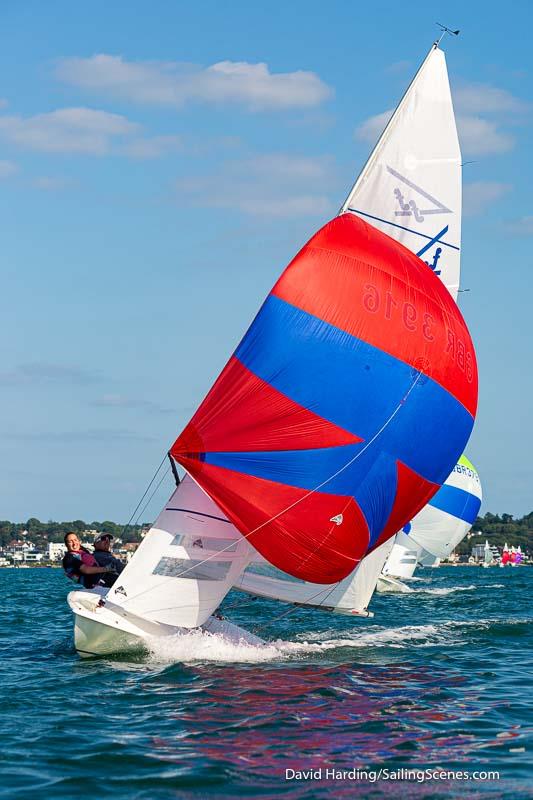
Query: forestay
410	187
185	565
349	596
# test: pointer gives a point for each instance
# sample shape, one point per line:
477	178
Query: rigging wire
139	516
125	528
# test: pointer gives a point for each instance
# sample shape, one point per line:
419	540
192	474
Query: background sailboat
441	525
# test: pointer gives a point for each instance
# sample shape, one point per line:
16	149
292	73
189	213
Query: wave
198	646
443	591
403	636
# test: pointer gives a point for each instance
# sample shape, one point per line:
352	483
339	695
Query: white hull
100	631
386	583
402	560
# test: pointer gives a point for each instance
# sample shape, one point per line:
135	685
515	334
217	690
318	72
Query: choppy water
440	677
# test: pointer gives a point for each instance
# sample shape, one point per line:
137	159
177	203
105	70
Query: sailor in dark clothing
82	567
103	555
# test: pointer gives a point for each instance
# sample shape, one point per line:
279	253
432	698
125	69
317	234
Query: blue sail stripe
356	386
369	480
457	502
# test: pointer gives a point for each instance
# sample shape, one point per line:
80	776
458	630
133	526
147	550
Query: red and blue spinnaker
343	409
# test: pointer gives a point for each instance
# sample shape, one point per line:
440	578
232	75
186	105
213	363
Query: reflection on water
326	716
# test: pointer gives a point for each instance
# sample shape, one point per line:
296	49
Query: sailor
82	567
103	555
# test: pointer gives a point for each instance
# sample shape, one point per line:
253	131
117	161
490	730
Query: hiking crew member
82	567
103	555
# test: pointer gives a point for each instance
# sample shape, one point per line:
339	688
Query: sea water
436	687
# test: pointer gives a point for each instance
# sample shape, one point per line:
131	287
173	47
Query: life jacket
89	560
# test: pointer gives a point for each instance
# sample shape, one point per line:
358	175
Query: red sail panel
369	285
244	413
290	527
410	486
359	342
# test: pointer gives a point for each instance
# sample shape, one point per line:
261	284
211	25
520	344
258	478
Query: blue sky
160	164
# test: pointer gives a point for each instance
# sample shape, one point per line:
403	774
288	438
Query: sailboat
487	555
506	556
441	525
339	415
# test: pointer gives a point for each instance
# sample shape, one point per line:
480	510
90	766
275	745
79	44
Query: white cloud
152	147
174	84
122	402
276	185
41	373
398	67
521	227
479	98
481	137
478	136
50	184
283	166
479	195
67	130
86	436
373	127
7	168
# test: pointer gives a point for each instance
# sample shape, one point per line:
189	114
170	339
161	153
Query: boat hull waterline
100	631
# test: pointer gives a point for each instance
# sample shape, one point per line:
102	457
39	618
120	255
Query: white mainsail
186	564
349	596
410	187
450	514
